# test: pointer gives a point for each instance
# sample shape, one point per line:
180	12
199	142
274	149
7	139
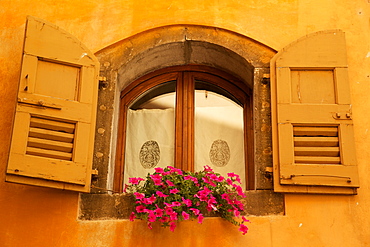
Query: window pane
150	131
219	137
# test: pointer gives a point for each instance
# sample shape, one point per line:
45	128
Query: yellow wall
33	216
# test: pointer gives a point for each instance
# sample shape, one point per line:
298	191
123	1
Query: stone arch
167	46
133	57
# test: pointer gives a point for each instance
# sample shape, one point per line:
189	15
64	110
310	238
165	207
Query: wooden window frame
184	121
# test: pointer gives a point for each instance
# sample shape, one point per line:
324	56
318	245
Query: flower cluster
170	195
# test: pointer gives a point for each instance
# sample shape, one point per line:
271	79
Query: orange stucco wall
31	216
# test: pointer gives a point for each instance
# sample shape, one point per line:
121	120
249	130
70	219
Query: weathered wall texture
32	216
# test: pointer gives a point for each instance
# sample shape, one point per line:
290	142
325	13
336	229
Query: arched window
186	117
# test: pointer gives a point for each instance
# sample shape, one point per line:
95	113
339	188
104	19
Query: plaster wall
32	216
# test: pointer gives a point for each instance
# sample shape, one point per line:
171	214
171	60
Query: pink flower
151	217
173	216
208	169
206	180
150	226
244	219
149	200
175	170
213	177
200	218
195	211
139	195
168	211
163	219
135	180
237	178
159	169
188	177
185	215
231	174
140	209
220	179
172	226
187	202
132	216
169	183
203	194
210	203
157	182
205	191
174	191
176	204
240	205
236	213
225	197
240	191
243	228
160	194
158	212
157	179
202	197
125	188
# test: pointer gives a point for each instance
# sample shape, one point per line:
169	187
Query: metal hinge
102	82
268	172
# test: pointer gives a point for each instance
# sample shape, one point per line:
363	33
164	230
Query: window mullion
184	139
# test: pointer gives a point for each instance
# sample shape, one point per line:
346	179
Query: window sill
120	206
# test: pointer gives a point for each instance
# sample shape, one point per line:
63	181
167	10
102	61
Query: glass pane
150	131
219	135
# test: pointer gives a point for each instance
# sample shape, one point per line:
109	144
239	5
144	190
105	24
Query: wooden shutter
313	144
53	132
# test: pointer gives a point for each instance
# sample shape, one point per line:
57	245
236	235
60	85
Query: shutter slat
315	131
316	141
316	151
49	153
51	135
50	145
317	160
52	125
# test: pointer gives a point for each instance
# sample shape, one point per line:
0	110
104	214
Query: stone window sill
120	206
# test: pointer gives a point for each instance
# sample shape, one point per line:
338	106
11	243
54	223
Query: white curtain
149	141
219	140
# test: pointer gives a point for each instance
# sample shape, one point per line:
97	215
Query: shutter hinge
266	79
102	82
94	172
268	172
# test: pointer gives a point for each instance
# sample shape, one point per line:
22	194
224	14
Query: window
187	117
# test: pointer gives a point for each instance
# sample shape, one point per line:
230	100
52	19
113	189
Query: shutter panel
53	132
313	144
